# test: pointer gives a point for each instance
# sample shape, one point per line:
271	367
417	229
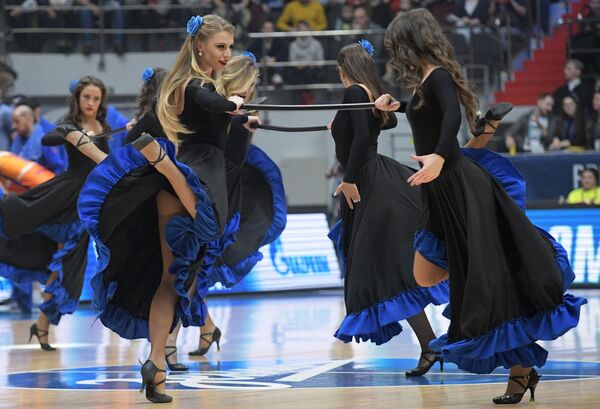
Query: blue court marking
282	374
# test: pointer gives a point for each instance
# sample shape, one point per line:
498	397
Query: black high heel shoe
35	331
176	367
149	371
215	337
143	141
495	113
422	370
510	399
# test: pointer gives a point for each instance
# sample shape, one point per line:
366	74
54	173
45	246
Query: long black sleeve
402	107
445	92
360	125
147	123
209	100
391	123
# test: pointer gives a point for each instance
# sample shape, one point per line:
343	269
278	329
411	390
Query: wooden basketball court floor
277	352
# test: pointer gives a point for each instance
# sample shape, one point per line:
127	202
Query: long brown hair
186	66
74	114
414	38
149	92
358	66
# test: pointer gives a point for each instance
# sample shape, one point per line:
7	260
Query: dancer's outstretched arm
78	138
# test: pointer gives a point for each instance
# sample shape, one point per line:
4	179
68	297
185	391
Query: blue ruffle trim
62	233
22	276
228	275
513	340
335	235
214	250
2	233
432	248
502	170
184	235
379	323
61	302
261	161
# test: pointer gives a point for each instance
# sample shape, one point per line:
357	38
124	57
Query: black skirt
376	239
32	224
507	277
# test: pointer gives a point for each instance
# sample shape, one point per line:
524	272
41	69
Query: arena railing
470	65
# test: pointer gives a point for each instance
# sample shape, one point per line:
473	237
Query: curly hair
415	38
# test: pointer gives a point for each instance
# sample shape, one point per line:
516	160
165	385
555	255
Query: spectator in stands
238	14
593	123
270	50
589	192
362	21
6	82
512	19
568	131
115	19
574	85
343	20
28	15
588	36
27	142
470	13
309	11
381	12
530	133
304	51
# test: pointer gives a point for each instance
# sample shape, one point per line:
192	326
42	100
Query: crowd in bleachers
568	118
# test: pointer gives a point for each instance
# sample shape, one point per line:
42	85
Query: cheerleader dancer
507	277
375	234
152	212
42	237
257	209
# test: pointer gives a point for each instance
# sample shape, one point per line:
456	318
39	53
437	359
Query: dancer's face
216	51
89	100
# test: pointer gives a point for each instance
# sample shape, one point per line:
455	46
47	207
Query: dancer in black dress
507	277
151	224
379	217
42	236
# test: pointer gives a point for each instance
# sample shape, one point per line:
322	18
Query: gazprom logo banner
302	257
578	231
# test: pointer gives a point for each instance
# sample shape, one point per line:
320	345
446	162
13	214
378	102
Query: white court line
304	375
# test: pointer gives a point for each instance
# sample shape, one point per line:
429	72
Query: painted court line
304	375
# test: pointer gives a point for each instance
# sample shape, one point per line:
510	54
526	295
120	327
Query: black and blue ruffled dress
118	207
257	216
507	277
34	223
376	238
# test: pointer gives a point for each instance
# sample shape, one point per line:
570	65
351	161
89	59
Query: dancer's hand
350	192
131	124
252	124
386	102
329	124
432	166
239	101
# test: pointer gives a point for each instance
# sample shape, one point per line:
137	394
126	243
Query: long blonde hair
239	74
415	37
186	67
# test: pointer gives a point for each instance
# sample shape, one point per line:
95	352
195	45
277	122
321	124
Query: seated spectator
588	36
238	14
115	19
512	19
344	20
568	131
529	133
304	51
28	15
362	21
6	82
589	192
470	13
381	12
574	85
27	142
309	11
593	123
270	50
